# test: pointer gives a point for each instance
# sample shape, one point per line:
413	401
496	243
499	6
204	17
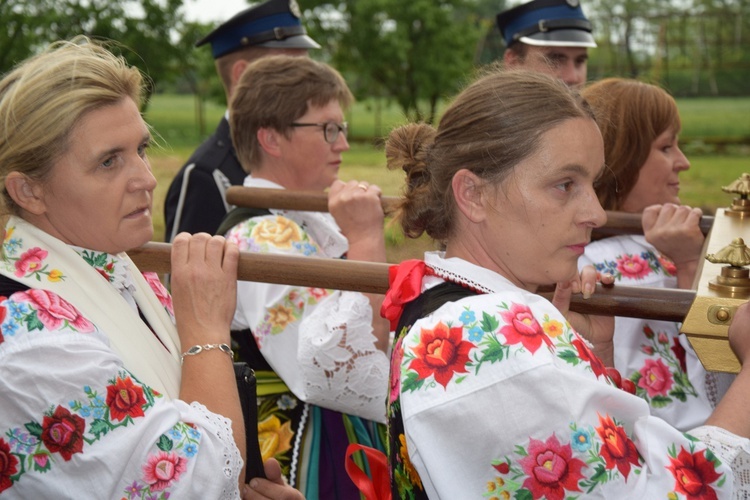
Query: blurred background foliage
410	53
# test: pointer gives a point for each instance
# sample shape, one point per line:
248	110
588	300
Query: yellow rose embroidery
408	467
9	233
54	275
273	437
552	328
280	316
280	232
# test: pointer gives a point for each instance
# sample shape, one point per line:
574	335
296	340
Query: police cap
557	23
273	24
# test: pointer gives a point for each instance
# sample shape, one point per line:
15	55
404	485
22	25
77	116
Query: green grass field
173	119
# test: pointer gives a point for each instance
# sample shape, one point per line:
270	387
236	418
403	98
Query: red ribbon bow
405	281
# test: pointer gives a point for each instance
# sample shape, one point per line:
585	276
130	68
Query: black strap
277	33
237	215
246	382
431	300
8	286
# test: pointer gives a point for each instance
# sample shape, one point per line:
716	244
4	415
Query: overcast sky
212	10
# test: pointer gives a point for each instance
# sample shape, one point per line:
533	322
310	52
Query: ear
510	58
270	140
468	193
237	69
27	194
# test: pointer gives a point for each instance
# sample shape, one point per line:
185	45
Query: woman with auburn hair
640	126
496	391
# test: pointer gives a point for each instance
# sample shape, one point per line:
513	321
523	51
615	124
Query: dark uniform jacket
195	200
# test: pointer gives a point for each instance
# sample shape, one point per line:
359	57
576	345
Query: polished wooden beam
317	201
370	277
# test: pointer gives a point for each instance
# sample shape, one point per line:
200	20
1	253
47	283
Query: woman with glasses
319	354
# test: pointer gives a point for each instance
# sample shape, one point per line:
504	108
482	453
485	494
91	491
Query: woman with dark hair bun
495	391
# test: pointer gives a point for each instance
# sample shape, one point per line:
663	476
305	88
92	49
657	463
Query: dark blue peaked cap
273	24
557	23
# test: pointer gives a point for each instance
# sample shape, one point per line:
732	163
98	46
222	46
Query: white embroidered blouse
318	341
76	419
501	398
663	366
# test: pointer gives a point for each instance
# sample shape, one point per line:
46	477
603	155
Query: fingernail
254	484
588	289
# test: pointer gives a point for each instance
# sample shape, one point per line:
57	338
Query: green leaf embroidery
165	444
489	322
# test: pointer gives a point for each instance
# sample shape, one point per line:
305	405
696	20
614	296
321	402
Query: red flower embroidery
633	266
523	328
3	314
63	433
668	265
693	473
648	332
586	355
502	467
165	299
656	378
124	398
679	353
30	261
8	466
441	352
163	469
53	310
551	469
617	449
318	293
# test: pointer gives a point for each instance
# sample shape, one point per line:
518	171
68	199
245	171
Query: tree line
410	53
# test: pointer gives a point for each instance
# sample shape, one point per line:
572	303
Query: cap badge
572	3
294	8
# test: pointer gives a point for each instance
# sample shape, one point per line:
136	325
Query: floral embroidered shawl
70	277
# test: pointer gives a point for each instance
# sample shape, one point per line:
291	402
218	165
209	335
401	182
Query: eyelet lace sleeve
732	450
341	367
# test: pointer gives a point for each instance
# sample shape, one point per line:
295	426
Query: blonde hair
631	115
275	91
490	127
43	98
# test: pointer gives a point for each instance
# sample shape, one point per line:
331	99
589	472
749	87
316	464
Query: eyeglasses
331	130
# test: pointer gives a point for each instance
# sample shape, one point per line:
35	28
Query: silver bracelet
197	349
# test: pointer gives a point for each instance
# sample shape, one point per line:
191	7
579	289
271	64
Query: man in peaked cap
196	198
549	36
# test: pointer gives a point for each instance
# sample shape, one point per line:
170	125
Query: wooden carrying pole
369	277
317	201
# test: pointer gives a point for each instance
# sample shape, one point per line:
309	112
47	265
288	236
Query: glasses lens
331	131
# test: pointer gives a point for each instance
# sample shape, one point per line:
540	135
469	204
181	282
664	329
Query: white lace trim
460	271
298	444
342	369
232	462
732	450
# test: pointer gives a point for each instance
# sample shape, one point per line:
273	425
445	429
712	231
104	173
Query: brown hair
631	115
275	91
490	127
44	97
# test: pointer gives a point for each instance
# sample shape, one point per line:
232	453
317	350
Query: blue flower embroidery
467	317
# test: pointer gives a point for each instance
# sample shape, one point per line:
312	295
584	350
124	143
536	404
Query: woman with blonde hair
110	389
